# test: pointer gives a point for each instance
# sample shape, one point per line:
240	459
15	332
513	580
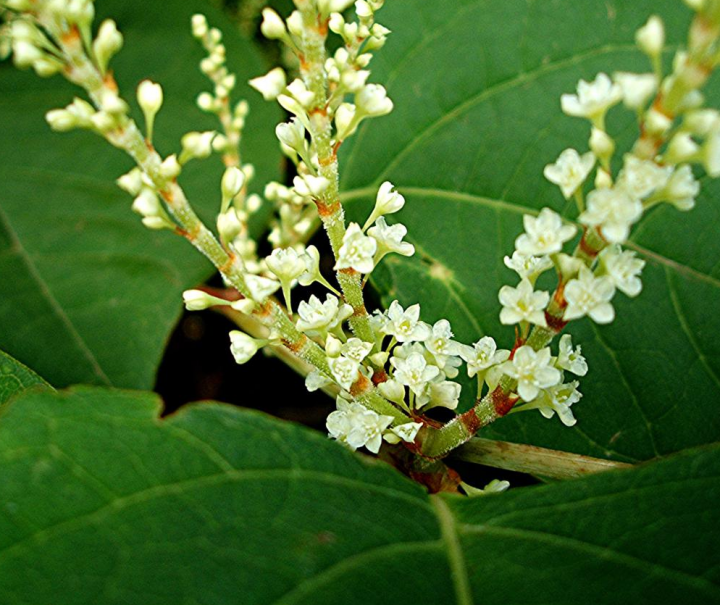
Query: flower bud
170	168
232	183
372	100
295	24
292	134
272	27
650	38
150	98
107	43
61	120
131	182
601	144
197	300
271	84
243	347
229	226
196	145
310	186
199	26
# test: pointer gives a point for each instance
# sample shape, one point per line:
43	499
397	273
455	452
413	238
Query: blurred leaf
15	377
104	503
88	294
477	90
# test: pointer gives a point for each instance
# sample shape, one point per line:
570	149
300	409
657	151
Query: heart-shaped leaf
88	294
103	503
477	88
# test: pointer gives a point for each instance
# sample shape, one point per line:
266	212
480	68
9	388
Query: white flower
312	267
300	92
405	432
570	171
445	394
527	266
593	99
589	295
614	211
150	98
440	342
260	287
316	380
286	264
107	43
681	189
372	100
272	26
623	268
532	370
389	239
639	178
291	134
242	346
344	370
388	201
271	85
310	186
356	349
571	359
356	426
636	88
523	304
405	324
544	234
392	390
345	121
196	145
317	318
232	182
197	300
602	145
357	251
483	355
651	36
559	399
414	372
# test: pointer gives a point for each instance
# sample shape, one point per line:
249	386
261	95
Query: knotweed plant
389	368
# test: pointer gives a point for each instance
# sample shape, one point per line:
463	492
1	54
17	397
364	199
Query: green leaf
477	90
88	294
15	377
102	502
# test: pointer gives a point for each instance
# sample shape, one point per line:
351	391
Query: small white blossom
559	399
392	390
570	171
196	145
483	355
589	295
272	26
271	85
300	93
291	134
260	287
316	380
593	99
387	201
544	234
150	98
527	266
372	100
533	371
197	300
356	349
623	267
639	178
232	182
523	304
570	358
317	318
405	432
389	239
445	394
286	264
405	324
414	372
310	186
344	370
682	189
440	342
242	346
357	251
636	88
614	211
356	426
651	36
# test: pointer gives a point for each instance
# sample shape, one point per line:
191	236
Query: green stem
329	205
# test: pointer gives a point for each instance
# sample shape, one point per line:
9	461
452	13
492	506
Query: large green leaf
477	87
103	503
15	377
88	294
